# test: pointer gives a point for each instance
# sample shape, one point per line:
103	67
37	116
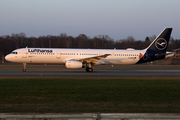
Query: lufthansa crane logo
161	44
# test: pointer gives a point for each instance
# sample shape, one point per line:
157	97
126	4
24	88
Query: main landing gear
89	67
24	67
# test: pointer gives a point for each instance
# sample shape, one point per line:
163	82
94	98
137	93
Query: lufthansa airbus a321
86	58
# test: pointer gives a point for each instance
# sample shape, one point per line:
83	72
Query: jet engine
73	64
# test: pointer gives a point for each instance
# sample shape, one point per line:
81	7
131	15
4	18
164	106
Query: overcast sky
116	18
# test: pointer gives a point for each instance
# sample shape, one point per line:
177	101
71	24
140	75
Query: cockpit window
14	53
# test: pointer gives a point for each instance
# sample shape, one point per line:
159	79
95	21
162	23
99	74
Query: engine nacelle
73	64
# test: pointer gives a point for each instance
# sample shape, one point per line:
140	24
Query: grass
90	94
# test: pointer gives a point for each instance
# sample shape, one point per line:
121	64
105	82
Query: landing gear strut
89	68
24	67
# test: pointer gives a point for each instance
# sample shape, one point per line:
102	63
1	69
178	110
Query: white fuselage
60	56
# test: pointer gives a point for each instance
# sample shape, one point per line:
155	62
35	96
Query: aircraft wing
93	59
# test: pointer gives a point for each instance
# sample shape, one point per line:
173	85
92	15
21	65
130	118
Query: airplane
86	58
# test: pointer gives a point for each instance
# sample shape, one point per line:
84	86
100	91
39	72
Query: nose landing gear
24	67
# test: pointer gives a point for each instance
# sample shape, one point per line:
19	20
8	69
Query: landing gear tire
89	69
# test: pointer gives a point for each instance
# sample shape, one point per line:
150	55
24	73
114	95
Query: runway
151	73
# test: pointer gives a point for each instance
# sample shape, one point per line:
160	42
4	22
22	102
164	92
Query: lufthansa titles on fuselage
40	50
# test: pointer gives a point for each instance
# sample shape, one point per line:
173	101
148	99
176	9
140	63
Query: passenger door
24	53
58	54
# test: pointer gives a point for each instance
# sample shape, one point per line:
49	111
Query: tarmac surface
151	73
95	116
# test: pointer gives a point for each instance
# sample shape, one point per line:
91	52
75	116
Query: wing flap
93	59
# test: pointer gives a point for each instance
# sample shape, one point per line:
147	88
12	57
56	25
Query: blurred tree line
15	41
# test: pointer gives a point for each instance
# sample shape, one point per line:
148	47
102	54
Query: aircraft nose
8	57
